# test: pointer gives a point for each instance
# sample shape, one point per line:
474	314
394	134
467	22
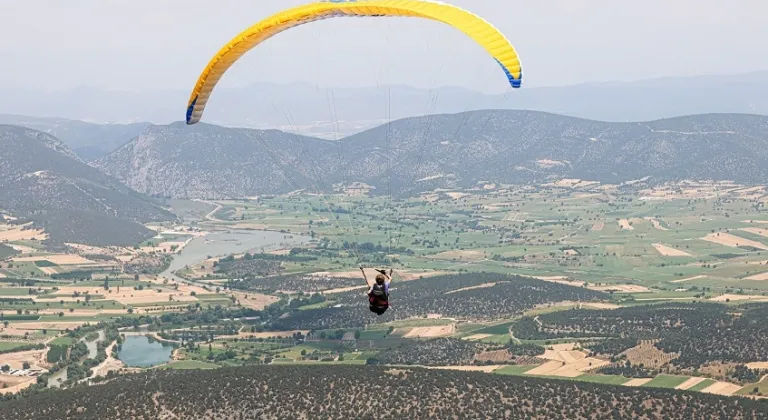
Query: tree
25	365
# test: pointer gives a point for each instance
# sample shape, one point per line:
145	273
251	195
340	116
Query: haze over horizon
164	45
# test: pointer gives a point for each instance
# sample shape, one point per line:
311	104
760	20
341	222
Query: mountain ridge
88	140
445	150
153	161
43	181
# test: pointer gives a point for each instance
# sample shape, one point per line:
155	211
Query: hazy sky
152	44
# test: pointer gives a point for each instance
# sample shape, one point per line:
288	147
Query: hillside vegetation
278	392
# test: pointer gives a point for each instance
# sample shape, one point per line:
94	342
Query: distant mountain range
43	181
88	140
106	201
332	113
449	150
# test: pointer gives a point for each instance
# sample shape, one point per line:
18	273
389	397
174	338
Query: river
59	377
196	251
220	244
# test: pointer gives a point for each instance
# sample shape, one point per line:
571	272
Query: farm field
709	236
566	361
666	381
631	246
48	292
698	384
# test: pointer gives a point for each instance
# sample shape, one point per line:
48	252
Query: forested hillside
282	392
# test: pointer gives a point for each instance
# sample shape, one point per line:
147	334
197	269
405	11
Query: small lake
144	351
219	244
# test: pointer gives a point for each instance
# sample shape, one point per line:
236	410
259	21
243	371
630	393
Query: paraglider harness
377	298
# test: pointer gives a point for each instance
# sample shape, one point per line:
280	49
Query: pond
144	351
234	242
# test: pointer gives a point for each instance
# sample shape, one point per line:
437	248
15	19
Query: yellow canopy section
474	26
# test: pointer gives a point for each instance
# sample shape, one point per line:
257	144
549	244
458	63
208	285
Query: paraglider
378	292
482	32
475	27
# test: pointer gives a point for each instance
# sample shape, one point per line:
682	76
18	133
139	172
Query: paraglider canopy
482	32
